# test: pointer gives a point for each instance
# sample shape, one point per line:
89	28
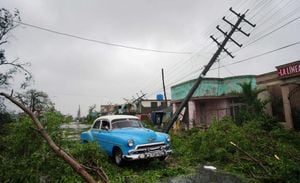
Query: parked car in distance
124	138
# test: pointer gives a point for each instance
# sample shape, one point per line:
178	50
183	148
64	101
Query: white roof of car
113	117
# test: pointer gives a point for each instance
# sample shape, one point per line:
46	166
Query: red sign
288	70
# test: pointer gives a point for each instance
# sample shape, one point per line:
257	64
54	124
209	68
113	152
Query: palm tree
249	96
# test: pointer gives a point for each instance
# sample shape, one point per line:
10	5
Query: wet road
72	130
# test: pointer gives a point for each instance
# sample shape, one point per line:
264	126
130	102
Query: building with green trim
214	98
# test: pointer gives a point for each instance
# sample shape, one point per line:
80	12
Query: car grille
150	147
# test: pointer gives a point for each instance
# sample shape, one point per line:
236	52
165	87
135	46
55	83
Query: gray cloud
76	72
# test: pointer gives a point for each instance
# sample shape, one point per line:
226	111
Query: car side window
96	125
105	125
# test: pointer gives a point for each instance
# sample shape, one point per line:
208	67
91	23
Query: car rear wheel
118	156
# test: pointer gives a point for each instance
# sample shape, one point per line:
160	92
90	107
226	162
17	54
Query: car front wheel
118	156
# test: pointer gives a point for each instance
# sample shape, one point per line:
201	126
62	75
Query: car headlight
168	139
130	142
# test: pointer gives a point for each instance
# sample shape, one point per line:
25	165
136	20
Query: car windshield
126	123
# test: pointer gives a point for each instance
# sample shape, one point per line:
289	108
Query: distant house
107	109
146	106
154	110
142	108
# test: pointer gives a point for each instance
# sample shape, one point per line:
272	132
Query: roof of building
211	87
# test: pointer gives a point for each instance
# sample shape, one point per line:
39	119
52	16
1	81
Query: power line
240	61
264	7
262	54
208	42
100	42
267	17
267	34
253	57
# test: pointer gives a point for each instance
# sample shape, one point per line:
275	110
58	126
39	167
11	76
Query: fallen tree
77	167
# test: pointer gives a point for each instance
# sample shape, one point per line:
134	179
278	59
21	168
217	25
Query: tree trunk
60	152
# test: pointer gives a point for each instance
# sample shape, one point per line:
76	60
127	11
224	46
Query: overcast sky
76	72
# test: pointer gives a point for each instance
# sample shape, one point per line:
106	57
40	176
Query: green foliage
213	146
253	106
25	157
68	119
5	117
249	95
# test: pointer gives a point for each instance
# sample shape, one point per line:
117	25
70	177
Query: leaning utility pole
211	62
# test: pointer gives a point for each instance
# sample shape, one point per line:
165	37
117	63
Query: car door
95	128
103	136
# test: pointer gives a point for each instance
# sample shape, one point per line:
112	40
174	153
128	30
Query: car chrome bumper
147	155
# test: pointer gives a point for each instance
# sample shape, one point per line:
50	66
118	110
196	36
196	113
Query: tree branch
15	60
3	42
60	152
19	66
98	170
251	157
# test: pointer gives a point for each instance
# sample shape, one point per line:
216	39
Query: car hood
139	135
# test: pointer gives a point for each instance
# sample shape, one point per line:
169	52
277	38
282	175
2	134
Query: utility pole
164	87
139	98
221	48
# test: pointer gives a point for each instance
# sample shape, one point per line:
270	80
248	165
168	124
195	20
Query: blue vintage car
123	137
